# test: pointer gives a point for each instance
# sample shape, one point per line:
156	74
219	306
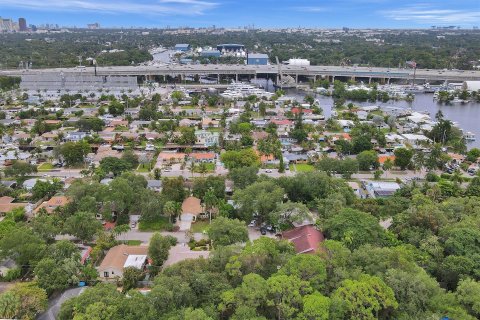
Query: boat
458	100
469	136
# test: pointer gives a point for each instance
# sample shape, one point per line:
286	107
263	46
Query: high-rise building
7	25
22	24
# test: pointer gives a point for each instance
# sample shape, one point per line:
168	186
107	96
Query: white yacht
469	136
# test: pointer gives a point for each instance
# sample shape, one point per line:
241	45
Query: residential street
55	304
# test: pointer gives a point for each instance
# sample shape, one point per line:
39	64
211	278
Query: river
466	115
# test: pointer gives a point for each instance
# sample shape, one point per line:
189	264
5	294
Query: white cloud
310	9
160	7
428	15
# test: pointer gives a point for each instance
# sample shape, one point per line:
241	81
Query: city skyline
269	13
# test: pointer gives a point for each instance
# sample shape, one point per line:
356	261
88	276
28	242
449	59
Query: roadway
254	70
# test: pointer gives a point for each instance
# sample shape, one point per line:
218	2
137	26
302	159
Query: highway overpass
271	71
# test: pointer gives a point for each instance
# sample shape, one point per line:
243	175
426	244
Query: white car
252	223
268	171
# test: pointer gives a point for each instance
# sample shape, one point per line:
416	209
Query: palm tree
191	167
203	168
456	177
210	200
172	209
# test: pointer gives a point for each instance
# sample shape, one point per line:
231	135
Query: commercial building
257	59
230	47
183	47
22	24
7	25
211	53
471	85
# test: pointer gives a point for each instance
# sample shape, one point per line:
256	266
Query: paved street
55	303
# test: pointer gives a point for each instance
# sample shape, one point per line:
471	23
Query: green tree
114	165
311	268
74	152
131	158
22	245
285	295
367	160
173	189
20	169
315	307
242	158
158	250
23	301
468	294
243	176
131	276
354	228
82	225
288	213
223	231
403	157
366	298
260	198
56	275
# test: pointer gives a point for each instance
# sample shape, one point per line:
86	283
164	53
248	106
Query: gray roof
257	56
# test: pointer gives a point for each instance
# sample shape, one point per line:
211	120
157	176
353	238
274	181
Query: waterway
466	115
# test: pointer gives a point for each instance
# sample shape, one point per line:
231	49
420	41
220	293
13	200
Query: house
191	208
380	189
305	239
75	136
30	183
207	138
120	257
53	203
355	187
170	157
415	139
203	156
155	185
192	205
210	123
7	205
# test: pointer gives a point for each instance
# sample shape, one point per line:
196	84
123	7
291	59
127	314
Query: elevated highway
234	71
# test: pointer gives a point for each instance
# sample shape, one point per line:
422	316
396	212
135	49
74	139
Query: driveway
55	304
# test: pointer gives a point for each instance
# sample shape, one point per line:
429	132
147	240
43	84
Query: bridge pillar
370	80
218	77
333	79
296	78
255	76
278	79
388	81
236	77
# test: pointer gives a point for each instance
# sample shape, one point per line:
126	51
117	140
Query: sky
235	13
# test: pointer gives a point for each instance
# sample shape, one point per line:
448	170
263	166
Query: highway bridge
263	71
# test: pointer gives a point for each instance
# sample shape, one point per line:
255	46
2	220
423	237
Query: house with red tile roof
305	239
297	110
202	156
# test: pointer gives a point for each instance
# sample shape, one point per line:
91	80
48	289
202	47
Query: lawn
303	167
133	242
199	226
210	167
143	168
211	129
161	224
46	166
